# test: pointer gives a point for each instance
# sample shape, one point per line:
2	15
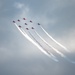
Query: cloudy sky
20	57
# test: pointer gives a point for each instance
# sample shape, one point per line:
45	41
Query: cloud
0	4
18	5
48	22
20	57
69	39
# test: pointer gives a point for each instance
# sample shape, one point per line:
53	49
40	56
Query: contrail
53	39
37	45
49	44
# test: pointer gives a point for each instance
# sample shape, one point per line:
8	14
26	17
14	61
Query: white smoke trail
54	39
73	62
49	45
52	56
25	35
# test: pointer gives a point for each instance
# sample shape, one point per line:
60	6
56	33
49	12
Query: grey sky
20	57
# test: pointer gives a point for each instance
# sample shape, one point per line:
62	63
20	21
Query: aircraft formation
33	40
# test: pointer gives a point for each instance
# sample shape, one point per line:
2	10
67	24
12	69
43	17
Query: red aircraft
32	27
38	23
13	21
18	20
26	24
27	29
19	26
24	19
30	21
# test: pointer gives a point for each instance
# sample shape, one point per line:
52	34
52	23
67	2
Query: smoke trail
25	35
54	39
52	56
49	44
47	52
73	62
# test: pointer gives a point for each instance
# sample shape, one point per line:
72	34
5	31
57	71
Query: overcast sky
20	57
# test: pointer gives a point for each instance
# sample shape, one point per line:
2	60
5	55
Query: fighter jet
24	19
32	27
19	26
30	21
18	20
13	21
27	29
26	24
38	23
